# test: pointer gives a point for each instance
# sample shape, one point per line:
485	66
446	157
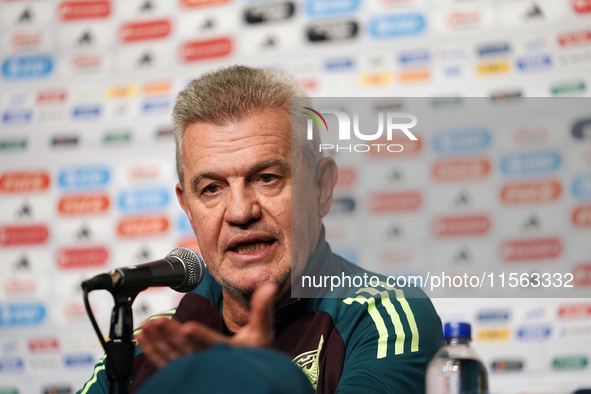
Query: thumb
259	329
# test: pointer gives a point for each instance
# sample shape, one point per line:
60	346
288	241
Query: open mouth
251	247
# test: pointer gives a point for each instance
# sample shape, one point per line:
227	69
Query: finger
200	336
149	350
159	334
259	329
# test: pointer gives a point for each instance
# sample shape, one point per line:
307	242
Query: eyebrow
280	162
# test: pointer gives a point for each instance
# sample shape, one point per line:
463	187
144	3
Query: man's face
237	194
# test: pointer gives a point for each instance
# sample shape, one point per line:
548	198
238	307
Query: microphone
182	270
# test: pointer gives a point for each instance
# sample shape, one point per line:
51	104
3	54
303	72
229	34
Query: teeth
252	248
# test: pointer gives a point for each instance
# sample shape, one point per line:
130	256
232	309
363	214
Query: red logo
201	3
460	169
534	249
83	204
200	50
581	6
395	202
529	134
574	311
82	257
530	192
52	97
20	287
142	226
24	181
26	40
23	235
582	216
580	37
309	84
582	274
461	226
49	344
74	10
86	62
410	147
346	177
141	31
460	19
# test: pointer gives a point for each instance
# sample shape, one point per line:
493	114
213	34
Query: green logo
13	145
8	390
117	137
570	362
439	102
568	88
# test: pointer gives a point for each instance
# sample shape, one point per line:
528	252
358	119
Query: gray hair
231	94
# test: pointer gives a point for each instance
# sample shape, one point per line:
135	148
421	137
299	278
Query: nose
242	206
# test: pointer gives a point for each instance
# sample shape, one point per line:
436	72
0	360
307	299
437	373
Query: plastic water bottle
456	369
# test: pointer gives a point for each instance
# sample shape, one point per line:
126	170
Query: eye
210	189
266	178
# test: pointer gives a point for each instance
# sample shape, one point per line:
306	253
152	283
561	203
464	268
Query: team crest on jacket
308	363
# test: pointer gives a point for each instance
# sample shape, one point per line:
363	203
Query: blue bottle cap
457	329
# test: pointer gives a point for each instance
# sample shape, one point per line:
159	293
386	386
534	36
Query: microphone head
195	268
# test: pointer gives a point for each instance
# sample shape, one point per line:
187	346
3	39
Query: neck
235	312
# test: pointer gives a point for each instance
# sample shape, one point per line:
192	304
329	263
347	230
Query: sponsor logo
145	199
395	202
9	347
24	181
82	257
78	360
142	226
526	135
500	366
446	102
156	88
493	67
20	287
76	10
376	79
414	75
141	31
86	112
461	226
533	249
534	332
121	91
52	97
269	12
580	37
581	6
209	49
8	390
494	49
582	186
117	137
399	25
164	132
417	57
461	169
501	96
21	67
539	62
568	88
460	20
332	30
23	235
22	314
83	204
86	63
493	316
574	311
341	64
529	163
531	192
346	177
47	344
201	3
570	362
64	141
24	41
582	129
496	334
458	141
84	177
410	147
11	364
17	117
13	144
57	390
582	275
330	7
578	331
582	216
342	205
156	105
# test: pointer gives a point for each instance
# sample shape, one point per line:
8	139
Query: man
258	222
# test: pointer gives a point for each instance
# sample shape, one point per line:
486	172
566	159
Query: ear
180	196
327	179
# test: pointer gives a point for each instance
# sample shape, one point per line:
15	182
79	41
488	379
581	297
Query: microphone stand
121	349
